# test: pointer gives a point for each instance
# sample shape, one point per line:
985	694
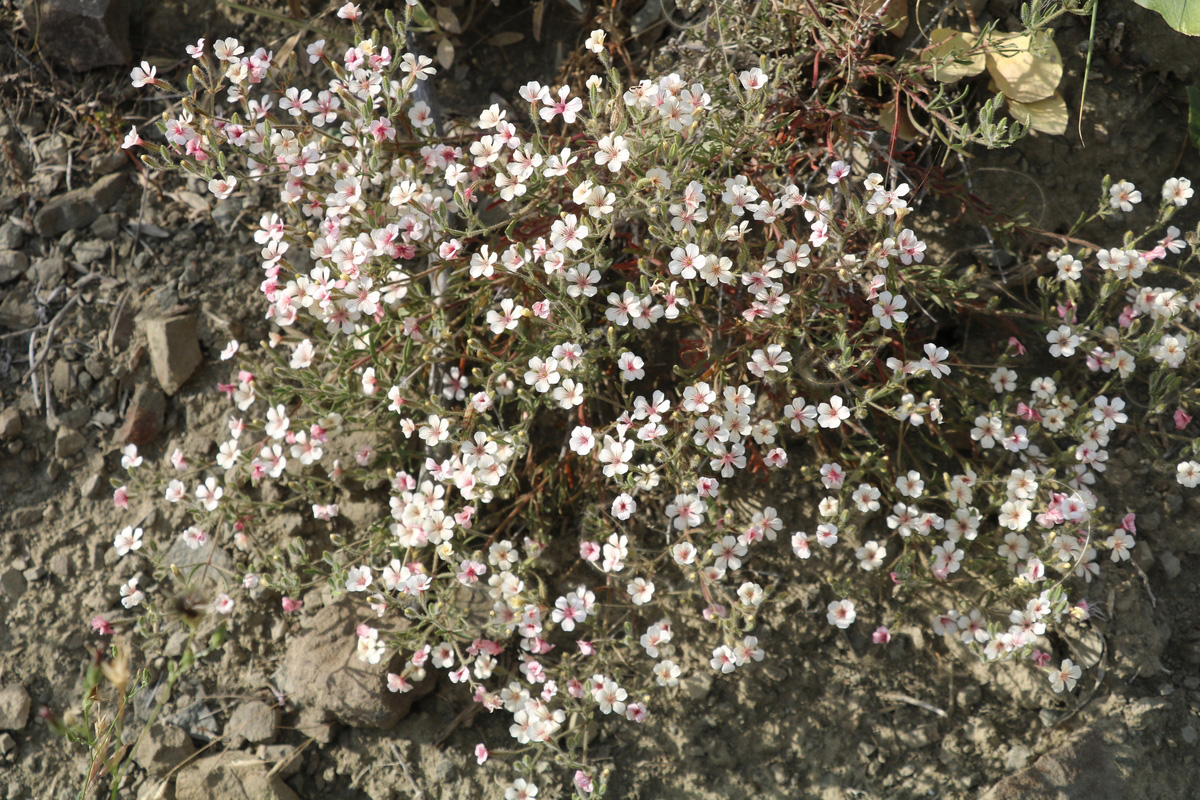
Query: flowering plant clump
556	346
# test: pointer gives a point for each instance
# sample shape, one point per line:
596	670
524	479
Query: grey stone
90	251
62	379
13	264
1017	757
12	235
17	309
14	707
107	226
163	748
144	416
969	695
50	271
106	191
918	737
321	670
10	424
68	442
109	162
228	777
286	753
33	574
256	722
90	488
61	564
82	34
13	584
1170	564
1084	768
196	718
7	743
174	349
64	213
316	724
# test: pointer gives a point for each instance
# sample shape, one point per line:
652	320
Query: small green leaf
1182	15
1194	115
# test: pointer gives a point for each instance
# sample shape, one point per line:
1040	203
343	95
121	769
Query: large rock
64	213
1087	767
144	416
321	671
14	707
13	264
163	748
78	208
83	34
255	722
174	349
230	776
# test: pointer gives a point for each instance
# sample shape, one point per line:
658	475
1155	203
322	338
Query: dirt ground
827	715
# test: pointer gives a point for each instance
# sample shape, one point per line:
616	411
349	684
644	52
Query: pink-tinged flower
101	626
290	605
583	782
132	139
223	604
585	647
589	551
196	50
121	497
481	753
128	540
1040	658
1182	418
754	79
881	635
1015	342
838	171
144	75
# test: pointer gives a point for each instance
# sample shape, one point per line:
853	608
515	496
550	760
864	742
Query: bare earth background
827	715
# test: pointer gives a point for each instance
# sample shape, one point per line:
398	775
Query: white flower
1122	195
841	613
209	494
1177	191
175	491
752	79
131	596
595	41
358	579
277	422
128	540
143	75
222	187
1062	342
640	591
1188	474
831	414
130	458
1066	676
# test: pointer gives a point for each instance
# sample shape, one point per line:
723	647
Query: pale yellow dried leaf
445	53
894	17
889	120
950	55
505	38
448	20
1025	71
1048	115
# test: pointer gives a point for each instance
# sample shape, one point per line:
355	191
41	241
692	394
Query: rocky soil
118	289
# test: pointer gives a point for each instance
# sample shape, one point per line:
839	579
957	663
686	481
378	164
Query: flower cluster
657	320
